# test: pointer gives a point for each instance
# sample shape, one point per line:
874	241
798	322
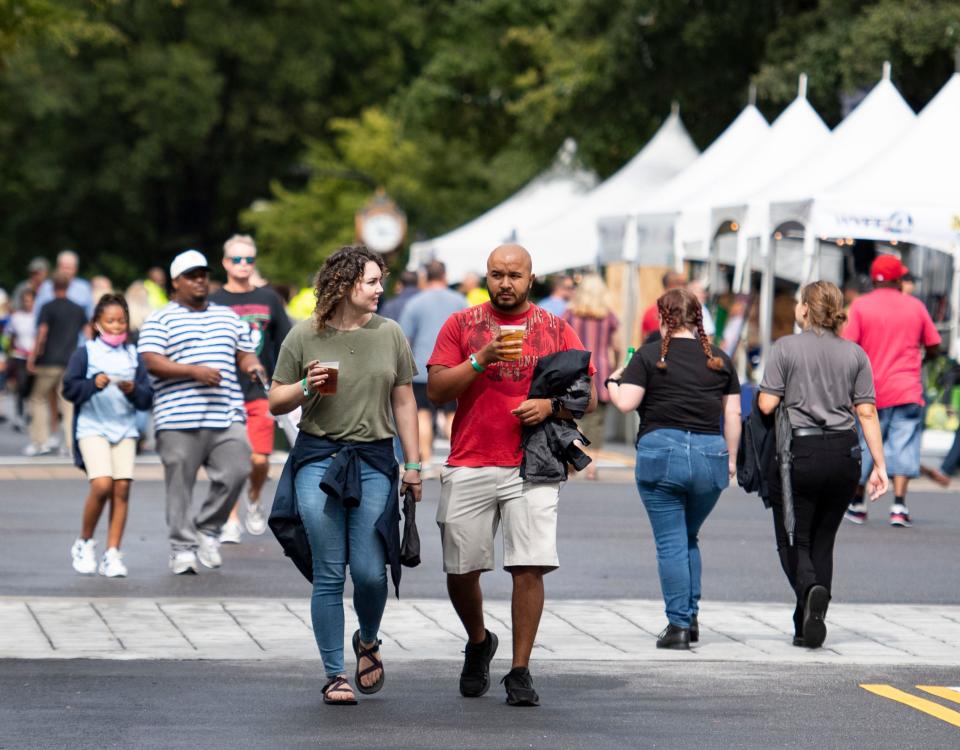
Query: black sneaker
694	629
475	677
674	637
519	685
814	627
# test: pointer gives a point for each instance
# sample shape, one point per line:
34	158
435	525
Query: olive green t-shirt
373	360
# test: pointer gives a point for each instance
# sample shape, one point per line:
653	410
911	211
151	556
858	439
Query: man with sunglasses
195	349
261	309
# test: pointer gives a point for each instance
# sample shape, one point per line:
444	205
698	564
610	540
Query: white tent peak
570	239
867	131
465	248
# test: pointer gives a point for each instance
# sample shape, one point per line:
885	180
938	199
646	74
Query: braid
671	321
714	363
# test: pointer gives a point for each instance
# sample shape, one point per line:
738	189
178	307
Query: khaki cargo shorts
472	503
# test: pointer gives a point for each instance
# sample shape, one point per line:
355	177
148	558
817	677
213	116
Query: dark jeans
826	470
950	461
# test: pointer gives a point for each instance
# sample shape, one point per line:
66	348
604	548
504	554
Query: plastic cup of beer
332	369
513	335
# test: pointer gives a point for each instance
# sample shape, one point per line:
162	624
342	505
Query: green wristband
413	467
306	391
475	364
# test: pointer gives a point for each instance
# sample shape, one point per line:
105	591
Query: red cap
887	268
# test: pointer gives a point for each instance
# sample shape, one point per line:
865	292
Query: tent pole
766	299
810	256
955	300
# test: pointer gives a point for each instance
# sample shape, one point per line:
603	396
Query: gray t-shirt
421	321
820	378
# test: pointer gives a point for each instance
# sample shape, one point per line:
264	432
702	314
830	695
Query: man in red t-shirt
489	376
896	332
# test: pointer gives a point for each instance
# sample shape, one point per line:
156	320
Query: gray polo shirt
820	378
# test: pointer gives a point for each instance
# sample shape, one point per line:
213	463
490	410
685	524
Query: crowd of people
520	389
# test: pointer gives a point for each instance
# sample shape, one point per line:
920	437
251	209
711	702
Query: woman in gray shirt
822	380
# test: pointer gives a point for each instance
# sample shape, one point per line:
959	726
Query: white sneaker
183	561
112	565
231	533
84	554
255	519
52	444
208	551
35	450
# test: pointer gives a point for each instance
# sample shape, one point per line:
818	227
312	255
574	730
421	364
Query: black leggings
826	469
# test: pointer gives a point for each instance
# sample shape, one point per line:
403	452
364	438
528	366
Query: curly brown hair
679	309
337	276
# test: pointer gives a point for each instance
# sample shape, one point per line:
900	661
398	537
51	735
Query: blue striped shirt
209	337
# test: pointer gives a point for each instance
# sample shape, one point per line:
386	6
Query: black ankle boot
694	629
674	637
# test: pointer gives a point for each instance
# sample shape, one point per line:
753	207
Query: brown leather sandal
373	654
338	684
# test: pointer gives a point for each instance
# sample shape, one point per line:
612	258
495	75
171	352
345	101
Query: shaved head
510	253
509	277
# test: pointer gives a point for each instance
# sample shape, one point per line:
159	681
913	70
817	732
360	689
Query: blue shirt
421	321
109	413
554	305
211	338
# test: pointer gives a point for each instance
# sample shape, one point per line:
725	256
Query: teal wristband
413	467
306	391
475	364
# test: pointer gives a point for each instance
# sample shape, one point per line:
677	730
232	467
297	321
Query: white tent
571	239
865	135
466	248
653	219
909	193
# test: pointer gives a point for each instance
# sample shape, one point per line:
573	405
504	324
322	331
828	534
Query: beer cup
332	369
513	335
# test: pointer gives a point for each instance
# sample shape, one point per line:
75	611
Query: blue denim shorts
901	428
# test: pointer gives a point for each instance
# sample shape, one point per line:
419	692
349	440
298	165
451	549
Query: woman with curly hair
350	370
681	386
822	380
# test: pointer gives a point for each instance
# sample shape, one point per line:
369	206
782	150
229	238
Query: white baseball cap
187	261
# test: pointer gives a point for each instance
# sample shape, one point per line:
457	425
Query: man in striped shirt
194	349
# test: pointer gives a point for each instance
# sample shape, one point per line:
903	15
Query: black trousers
826	470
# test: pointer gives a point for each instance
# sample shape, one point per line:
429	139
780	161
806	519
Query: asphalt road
172	705
606	550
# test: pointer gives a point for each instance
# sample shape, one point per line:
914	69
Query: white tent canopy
910	193
571	240
655	216
466	248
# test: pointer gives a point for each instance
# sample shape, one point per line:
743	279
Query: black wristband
608	381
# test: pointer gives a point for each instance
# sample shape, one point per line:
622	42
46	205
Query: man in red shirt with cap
897	333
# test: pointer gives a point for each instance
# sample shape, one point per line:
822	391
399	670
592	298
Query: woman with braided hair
681	386
344	473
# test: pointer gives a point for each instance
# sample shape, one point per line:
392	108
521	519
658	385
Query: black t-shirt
688	395
64	320
263	311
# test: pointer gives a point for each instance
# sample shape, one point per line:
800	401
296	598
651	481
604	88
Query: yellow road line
951	694
921	704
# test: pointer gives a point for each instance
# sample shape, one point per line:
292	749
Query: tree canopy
131	130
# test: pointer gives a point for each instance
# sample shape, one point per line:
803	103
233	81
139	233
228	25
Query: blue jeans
338	536
901	428
679	476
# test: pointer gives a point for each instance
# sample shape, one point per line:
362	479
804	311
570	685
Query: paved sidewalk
418	629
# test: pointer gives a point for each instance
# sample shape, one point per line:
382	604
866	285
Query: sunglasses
238	259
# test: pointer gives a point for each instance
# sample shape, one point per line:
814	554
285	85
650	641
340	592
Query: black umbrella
784	433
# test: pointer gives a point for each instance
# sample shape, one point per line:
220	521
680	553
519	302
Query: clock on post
381	225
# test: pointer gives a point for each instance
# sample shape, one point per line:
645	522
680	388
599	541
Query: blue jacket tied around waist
341	481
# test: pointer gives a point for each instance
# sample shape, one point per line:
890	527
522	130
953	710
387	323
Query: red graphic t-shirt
485	433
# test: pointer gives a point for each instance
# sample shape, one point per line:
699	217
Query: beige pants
47	382
473	501
105	459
